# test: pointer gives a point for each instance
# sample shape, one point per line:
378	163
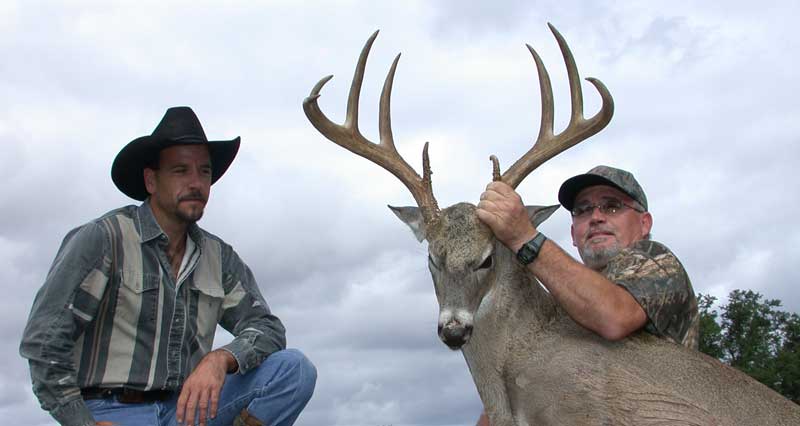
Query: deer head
464	258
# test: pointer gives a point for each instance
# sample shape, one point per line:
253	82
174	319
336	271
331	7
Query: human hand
200	393
502	210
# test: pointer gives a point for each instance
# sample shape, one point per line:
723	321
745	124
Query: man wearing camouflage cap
627	282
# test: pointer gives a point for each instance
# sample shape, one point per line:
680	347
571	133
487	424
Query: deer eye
486	263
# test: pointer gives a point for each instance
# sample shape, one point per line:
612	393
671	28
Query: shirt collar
196	235
149	229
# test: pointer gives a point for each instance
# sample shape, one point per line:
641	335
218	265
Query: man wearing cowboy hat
627	282
122	329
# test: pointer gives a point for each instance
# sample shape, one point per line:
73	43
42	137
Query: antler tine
495	168
351	119
383	154
576	93
546	90
384	112
579	128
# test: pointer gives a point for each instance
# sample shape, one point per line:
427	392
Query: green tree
787	362
754	335
710	330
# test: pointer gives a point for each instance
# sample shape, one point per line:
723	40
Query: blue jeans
275	392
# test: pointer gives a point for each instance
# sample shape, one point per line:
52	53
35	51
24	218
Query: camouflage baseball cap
601	175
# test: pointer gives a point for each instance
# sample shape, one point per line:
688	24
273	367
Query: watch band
530	250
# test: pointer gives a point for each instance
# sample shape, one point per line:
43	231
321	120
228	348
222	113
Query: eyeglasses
607	207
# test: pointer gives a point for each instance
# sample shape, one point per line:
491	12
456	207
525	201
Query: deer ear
539	214
411	216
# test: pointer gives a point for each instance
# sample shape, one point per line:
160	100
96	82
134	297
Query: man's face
600	236
180	187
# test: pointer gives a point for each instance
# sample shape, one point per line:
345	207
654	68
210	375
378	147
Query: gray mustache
600	229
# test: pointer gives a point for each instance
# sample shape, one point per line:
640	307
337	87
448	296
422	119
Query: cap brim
574	185
127	171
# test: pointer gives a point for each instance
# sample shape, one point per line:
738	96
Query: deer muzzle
455	332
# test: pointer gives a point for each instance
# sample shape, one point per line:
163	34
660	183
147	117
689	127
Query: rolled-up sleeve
247	316
658	282
661	294
67	301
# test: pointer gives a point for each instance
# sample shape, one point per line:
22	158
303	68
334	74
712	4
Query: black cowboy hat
179	126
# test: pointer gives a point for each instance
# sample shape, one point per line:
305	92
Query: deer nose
454	334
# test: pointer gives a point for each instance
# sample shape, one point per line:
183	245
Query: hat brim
574	185
127	171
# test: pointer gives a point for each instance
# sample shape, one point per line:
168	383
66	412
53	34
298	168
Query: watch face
526	253
530	250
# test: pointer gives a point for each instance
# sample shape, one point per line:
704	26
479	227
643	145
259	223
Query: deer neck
516	307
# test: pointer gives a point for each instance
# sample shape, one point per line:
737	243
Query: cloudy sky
706	118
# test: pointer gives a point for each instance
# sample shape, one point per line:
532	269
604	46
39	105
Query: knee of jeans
294	362
303	368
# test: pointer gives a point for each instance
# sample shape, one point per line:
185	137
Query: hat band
188	139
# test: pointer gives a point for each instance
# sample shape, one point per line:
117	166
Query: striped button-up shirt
110	313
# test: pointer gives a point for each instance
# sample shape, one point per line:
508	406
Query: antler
384	154
548	145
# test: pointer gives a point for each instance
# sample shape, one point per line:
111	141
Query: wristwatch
530	250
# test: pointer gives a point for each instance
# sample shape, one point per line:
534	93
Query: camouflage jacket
658	281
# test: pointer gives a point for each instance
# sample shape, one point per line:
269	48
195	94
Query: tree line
755	336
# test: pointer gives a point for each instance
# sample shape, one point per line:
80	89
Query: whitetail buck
532	364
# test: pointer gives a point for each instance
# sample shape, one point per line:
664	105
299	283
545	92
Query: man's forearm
587	296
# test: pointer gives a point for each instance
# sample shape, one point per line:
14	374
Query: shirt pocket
138	296
210	297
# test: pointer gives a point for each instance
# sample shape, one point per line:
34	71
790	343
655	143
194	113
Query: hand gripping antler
548	145
384	154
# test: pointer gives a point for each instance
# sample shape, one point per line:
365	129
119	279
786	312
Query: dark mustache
192	196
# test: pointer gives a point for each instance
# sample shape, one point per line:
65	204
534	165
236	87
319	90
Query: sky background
706	118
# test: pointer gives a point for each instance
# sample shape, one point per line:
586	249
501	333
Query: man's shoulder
120	221
212	240
643	258
128	212
654	251
96	233
650	248
658	280
105	222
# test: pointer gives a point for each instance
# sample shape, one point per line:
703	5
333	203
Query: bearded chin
190	216
597	258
